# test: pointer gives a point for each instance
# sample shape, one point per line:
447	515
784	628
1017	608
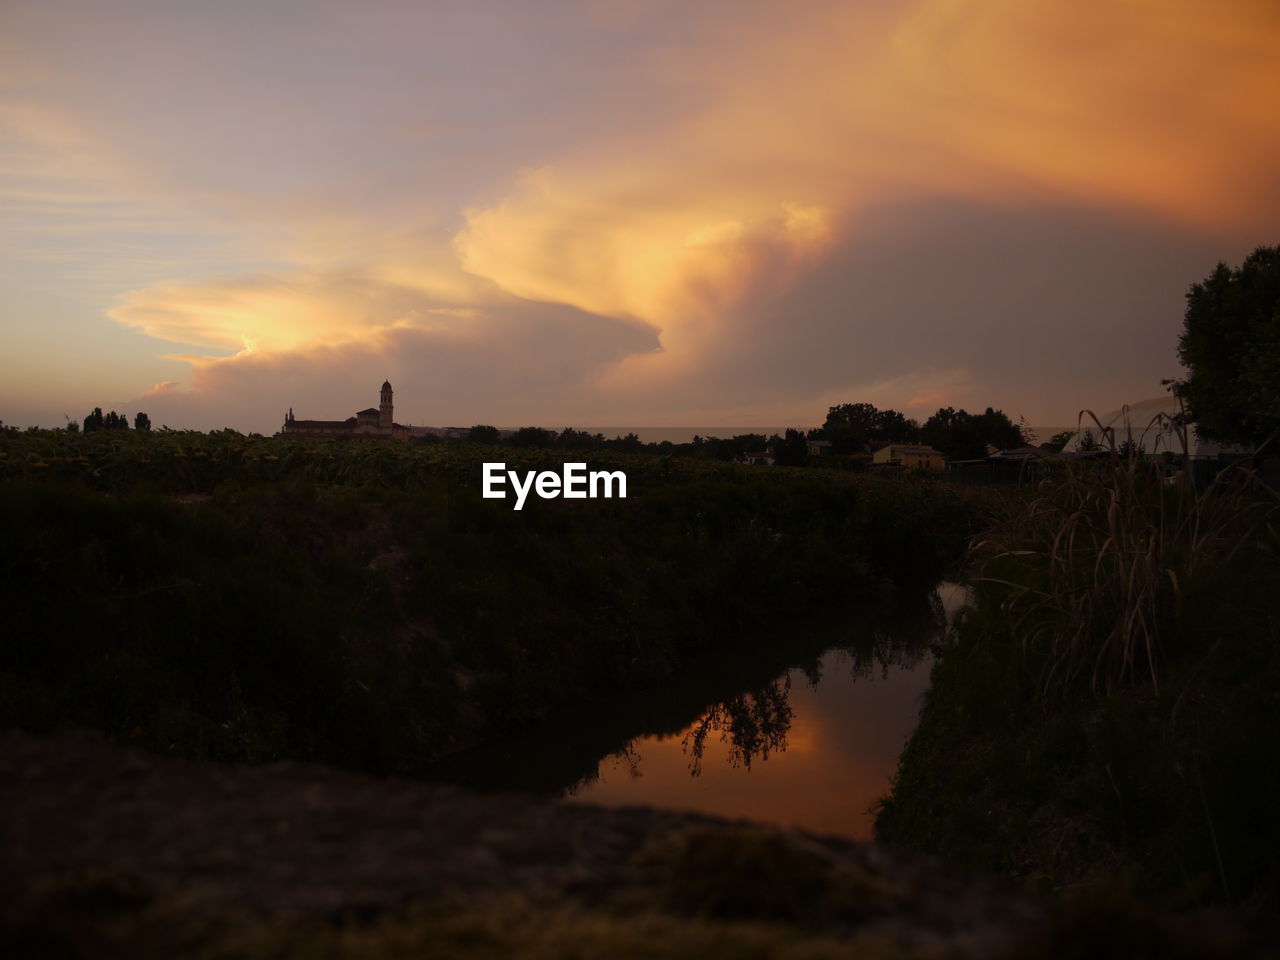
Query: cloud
651	214
503	359
1125	107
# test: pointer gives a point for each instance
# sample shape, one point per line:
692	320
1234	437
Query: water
804	738
823	774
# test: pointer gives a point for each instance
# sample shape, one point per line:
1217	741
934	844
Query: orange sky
619	213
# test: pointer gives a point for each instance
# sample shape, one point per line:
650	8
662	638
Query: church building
376	422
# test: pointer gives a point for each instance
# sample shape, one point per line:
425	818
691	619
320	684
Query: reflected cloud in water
814	747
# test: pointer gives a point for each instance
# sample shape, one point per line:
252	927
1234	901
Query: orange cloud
927	399
267	312
1136	104
734	192
1154	104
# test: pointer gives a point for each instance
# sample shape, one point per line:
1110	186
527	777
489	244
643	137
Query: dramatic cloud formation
634	213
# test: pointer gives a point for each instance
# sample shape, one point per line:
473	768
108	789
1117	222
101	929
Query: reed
1094	563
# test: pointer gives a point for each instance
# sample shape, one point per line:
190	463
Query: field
215	595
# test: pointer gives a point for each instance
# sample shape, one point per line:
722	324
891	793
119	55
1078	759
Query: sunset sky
561	212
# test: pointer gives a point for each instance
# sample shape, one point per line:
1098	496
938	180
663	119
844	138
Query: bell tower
385	419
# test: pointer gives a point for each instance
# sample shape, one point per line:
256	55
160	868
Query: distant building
819	448
909	456
372	423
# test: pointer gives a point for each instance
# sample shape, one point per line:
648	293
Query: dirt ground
107	852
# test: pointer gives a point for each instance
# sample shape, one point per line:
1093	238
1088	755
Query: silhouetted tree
1230	343
630	443
532	437
730	448
1059	440
483	433
141	421
93	421
852	426
1029	437
964	436
791	450
570	439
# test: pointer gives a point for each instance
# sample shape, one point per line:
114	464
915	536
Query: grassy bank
1107	710
219	596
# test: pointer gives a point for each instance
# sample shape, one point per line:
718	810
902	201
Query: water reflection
751	724
803	732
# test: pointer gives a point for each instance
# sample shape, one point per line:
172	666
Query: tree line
97	420
850	429
957	434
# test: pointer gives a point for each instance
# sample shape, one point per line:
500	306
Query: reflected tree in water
752	724
877	640
628	758
901	642
757	722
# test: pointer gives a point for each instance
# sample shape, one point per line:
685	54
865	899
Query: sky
652	213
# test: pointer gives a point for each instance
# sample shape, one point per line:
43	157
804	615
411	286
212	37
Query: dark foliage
791	450
1230	345
965	436
851	427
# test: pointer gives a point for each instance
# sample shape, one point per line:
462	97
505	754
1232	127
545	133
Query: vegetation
791	450
958	434
360	603
1106	705
851	427
1056	443
1230	344
961	435
112	421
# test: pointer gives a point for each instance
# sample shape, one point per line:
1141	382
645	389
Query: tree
851	426
1029	437
571	439
791	450
961	435
630	443
483	433
532	437
1059	440
141	421
93	421
1230	345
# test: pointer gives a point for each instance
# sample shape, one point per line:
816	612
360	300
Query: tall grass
1095	562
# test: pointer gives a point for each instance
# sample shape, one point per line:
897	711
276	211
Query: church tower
385	420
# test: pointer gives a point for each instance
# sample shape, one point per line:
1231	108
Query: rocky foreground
109	852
